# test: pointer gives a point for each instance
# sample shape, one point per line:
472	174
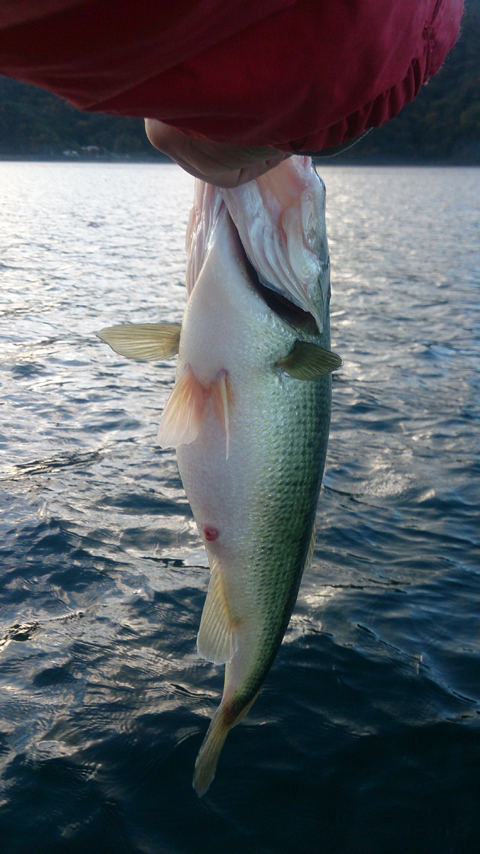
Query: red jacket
296	74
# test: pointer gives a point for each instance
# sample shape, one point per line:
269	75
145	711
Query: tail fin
208	755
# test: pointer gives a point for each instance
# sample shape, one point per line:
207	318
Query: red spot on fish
210	533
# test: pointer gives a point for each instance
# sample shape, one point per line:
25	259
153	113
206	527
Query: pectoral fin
145	342
217	638
308	361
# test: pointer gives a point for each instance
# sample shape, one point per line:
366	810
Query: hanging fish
249	414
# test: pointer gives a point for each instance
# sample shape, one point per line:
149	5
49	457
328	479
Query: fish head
280	222
280	218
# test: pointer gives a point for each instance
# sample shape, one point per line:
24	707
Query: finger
248	173
217	163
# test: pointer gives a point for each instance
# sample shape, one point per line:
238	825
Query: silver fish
249	414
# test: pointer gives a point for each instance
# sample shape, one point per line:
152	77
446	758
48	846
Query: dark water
366	736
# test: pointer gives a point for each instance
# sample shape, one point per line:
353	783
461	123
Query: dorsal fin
308	361
145	342
217	638
221	399
312	545
182	415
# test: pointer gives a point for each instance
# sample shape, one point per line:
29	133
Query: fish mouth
281	306
276	302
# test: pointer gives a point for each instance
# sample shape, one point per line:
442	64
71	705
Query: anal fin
217	638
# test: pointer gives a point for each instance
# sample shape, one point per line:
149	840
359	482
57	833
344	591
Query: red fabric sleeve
296	74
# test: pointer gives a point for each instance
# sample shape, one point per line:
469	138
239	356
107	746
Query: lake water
365	738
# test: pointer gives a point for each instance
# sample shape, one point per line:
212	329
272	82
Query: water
366	736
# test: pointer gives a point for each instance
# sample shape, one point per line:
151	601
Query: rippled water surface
366	736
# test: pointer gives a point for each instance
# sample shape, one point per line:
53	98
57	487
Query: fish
249	414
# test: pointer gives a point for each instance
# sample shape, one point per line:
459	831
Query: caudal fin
208	755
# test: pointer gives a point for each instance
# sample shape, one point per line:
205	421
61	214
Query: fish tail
222	722
208	755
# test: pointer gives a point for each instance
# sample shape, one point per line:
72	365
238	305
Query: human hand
214	162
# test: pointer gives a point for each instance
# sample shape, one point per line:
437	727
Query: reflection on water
365	737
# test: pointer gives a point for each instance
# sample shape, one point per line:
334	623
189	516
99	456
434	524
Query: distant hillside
35	123
442	124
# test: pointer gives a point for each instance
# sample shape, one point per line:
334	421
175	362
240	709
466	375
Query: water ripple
365	738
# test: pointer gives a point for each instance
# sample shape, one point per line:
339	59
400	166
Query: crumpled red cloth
295	74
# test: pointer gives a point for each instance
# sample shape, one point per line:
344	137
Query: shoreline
85	158
338	160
